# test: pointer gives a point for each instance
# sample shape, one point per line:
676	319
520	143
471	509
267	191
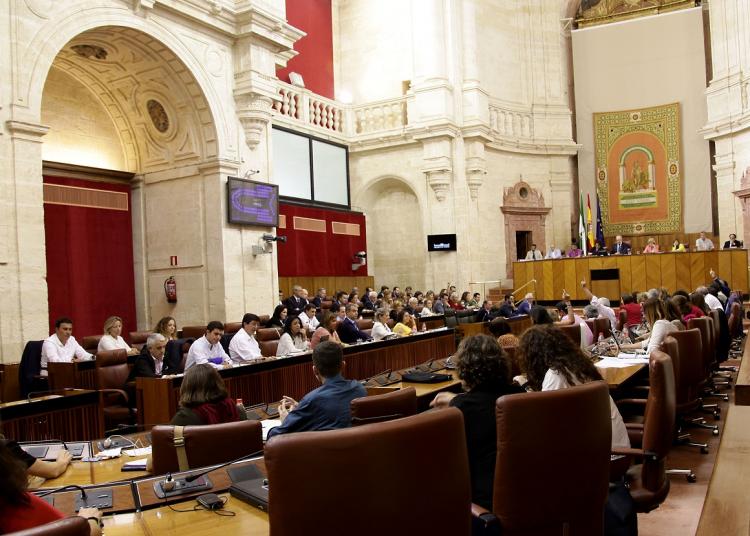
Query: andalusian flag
589	219
582	241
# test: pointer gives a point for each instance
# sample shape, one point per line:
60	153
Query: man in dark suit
327	407
295	303
484	314
620	247
320	297
369	304
348	330
150	363
732	243
507	309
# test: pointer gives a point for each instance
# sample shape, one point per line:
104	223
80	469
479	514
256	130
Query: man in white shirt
554	253
307	317
61	346
712	301
207	349
703	243
243	346
533	254
602	306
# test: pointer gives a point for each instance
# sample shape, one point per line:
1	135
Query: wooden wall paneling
570	278
682	271
710	261
583	272
541	280
697	270
624	264
558	279
724	268
637	274
668	275
739	270
522	274
9	387
548	277
653	271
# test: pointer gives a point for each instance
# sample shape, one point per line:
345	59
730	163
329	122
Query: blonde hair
111	322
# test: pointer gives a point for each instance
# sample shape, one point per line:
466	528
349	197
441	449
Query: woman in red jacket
20	510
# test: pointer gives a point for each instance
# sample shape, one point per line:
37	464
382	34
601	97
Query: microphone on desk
32	394
102	499
174	487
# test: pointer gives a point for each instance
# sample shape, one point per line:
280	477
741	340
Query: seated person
524	307
602	306
398	306
111	340
441	304
150	363
500	328
427	308
320	297
309	322
348	329
732	242
484	370
370	301
553	253
327	407
61	346
540	315
167	327
656	316
297	301
405	324
380	327
533	254
678	246
326	330
651	246
570	318
633	310
703	243
599	249
294	338
243	346
278	318
620	247
207	349
508	307
34	466
574	251
21	510
204	399
550	360
484	314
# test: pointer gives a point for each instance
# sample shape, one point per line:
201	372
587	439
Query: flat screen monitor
252	202
441	242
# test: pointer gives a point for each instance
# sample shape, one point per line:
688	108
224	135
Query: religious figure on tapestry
638	171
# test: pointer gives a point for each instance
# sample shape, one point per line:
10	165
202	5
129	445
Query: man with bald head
620	247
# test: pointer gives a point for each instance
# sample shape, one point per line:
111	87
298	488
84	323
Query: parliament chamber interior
441	267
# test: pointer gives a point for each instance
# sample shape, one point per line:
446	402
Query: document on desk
267	425
628	360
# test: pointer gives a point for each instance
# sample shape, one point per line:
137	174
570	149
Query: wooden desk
9	387
72	417
79	374
742	383
518	324
268	381
726	509
637	272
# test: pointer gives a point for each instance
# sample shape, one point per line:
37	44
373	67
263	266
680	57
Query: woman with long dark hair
204	399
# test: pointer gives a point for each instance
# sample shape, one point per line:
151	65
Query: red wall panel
315	59
89	262
310	253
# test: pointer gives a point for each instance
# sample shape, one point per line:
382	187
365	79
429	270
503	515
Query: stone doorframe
524	210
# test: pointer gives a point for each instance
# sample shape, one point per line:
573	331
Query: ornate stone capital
440	182
254	113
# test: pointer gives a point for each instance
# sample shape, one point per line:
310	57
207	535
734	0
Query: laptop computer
249	485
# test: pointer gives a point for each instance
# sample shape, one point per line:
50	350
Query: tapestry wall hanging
638	170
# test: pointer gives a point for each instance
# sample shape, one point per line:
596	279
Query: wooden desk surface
742	383
726	509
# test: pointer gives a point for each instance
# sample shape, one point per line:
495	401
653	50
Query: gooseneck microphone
174	487
63	488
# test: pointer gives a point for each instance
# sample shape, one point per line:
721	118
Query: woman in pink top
326	331
651	246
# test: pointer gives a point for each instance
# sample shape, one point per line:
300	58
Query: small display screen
252	202
441	242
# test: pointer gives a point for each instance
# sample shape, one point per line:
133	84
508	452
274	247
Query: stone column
730	207
24	313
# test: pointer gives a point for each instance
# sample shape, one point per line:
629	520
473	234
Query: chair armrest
633	401
120	392
484	521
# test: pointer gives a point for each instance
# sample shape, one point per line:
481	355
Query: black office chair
29	372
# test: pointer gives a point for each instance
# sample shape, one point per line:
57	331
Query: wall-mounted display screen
252	202
441	242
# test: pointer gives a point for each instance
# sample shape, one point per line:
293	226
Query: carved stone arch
59	31
524	210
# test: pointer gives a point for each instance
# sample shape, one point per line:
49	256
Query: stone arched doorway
524	211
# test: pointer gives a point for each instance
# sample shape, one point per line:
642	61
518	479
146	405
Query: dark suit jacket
483	315
349	332
732	244
144	367
624	249
294	305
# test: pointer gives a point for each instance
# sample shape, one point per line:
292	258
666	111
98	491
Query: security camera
281	239
268	237
361	254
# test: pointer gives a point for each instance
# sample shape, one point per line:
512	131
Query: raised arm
586	291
